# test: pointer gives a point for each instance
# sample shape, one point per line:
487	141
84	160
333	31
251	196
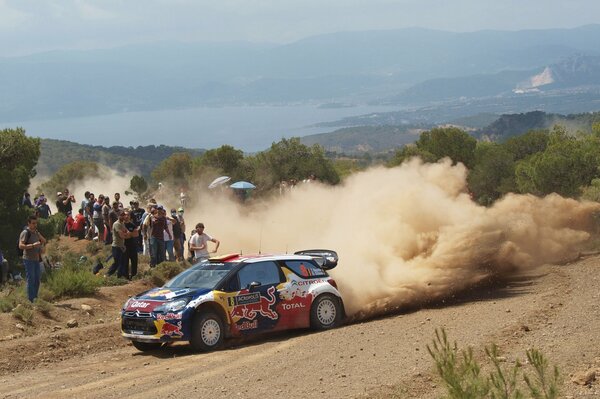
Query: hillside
510	125
578	71
140	160
360	139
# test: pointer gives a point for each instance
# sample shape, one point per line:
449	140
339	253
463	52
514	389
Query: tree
69	173
410	151
564	167
139	185
527	144
18	156
290	159
493	173
225	158
448	142
177	168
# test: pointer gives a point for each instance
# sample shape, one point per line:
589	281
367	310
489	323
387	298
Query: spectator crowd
130	231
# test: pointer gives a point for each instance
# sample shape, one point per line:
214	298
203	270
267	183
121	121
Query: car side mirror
253	285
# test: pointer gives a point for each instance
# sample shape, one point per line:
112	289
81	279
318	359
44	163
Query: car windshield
203	275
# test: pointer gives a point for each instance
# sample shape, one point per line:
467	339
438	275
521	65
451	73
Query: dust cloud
404	235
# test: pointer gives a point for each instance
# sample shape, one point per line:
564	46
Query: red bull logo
170	329
248	306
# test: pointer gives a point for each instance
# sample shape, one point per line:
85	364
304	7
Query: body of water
250	128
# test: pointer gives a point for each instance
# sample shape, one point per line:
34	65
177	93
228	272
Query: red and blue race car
235	295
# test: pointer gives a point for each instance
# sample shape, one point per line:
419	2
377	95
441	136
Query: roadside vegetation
466	378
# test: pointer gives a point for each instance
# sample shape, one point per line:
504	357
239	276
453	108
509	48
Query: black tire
207	332
325	312
146	346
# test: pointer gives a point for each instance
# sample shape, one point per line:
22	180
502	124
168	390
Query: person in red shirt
78	225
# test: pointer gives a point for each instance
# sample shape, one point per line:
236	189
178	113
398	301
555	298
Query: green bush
50	227
462	377
11	297
73	279
94	247
42	306
110	281
45	294
164	272
23	312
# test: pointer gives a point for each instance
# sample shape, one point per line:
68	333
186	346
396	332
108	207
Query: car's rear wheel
146	346
326	312
207	332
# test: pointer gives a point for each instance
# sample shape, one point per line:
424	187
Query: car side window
304	268
265	273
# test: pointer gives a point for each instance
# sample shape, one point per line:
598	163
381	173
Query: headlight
172	306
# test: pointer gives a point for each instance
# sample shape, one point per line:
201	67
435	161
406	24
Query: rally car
233	296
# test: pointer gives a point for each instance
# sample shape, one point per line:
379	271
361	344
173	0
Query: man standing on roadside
157	225
199	243
131	246
31	242
98	218
119	233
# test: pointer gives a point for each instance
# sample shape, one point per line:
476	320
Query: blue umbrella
242	185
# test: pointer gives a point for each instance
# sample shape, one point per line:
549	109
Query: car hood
167	294
149	300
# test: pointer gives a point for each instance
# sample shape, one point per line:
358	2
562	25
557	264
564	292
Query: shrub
93	247
10	298
461	374
73	279
110	281
23	312
51	227
45	294
164	272
42	306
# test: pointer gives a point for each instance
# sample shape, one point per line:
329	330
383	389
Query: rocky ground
554	308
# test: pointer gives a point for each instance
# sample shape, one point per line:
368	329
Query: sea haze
250	128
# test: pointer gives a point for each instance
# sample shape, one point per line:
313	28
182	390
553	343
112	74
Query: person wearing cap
156	226
199	243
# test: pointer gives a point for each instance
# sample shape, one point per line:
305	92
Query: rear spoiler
325	258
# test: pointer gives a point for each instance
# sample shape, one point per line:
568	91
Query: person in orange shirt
78	225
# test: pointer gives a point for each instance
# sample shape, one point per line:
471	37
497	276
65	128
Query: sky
30	26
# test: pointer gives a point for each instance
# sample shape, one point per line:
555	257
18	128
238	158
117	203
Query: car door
253	308
295	294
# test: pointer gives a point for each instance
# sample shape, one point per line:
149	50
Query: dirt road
554	308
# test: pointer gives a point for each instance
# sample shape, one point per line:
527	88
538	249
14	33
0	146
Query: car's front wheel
207	332
146	346
326	312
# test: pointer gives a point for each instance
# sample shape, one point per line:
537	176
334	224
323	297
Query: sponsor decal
166	293
248	325
171	329
309	282
139	304
168	316
245	299
248	306
290	306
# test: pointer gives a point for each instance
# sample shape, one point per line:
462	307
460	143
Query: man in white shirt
199	243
